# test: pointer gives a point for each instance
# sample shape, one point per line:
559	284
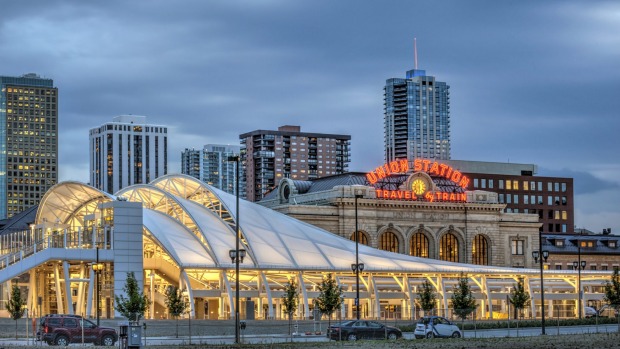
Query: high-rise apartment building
416	117
211	166
270	156
28	141
127	151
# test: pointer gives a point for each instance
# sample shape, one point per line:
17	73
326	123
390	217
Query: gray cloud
532	82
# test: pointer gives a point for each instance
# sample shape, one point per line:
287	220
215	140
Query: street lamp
357	267
97	268
236	255
579	265
538	258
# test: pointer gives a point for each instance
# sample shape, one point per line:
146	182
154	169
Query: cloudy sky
531	81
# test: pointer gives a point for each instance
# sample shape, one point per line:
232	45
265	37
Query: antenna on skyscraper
415	53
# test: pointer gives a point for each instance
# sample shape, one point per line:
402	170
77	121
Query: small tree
134	306
463	301
15	305
330	297
518	297
612	293
176	304
427	297
290	300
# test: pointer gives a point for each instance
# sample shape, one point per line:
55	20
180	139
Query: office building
416	117
517	186
127	151
28	141
211	166
289	153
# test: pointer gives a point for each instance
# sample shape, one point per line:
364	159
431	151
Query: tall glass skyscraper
416	117
28	141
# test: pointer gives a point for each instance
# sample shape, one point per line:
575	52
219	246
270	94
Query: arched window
418	246
449	248
480	251
361	238
389	242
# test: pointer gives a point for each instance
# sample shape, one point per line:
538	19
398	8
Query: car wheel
392	336
352	337
456	335
62	341
107	341
430	335
419	337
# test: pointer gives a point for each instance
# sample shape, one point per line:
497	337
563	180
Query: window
563	187
361	238
603	267
515	185
501	198
475	182
418	246
389	242
508	184
559	243
449	248
480	250
501	184
558	267
483	183
612	244
516	246
526	185
490	184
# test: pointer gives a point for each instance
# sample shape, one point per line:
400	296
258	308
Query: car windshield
343	324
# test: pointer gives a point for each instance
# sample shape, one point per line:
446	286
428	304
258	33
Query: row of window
508	184
532	199
419	246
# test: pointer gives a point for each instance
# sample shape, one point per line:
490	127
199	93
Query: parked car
62	329
362	329
436	326
590	312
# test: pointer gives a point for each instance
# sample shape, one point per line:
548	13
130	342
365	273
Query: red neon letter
426	163
371	177
417	165
404	166
434	168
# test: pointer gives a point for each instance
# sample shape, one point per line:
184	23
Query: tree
427	297
15	305
175	303
518	297
330	297
134	306
463	301
290	300
612	293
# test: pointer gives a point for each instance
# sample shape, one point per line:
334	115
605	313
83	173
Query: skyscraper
211	166
289	153
416	117
28	141
127	151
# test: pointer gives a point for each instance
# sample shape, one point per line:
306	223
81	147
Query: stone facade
469	222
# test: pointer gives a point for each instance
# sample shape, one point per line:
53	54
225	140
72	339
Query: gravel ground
161	328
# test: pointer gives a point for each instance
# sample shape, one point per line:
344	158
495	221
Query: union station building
415	225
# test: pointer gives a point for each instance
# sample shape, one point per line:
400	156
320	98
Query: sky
535	82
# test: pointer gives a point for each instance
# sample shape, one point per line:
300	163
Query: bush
489	324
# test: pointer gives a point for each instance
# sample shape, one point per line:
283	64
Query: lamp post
579	265
97	267
236	255
357	267
538	257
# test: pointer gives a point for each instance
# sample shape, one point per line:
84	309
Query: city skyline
530	82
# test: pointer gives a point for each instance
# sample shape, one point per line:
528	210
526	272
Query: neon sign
419	185
419	165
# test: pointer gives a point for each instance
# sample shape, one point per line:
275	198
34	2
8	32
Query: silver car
436	326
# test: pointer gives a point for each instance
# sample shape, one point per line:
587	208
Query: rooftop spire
415	53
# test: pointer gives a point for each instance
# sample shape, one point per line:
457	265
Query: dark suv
60	329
